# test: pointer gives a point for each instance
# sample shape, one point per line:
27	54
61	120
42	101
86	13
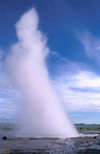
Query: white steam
42	113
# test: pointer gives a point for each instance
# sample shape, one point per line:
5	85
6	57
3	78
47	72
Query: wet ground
82	145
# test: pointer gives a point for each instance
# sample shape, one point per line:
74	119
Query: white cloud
85	79
8	95
80	92
91	45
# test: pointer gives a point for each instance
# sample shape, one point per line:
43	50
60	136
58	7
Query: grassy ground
7	127
88	127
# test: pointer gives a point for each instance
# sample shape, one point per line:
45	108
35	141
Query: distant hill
80	124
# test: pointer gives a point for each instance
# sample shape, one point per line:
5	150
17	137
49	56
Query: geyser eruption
42	114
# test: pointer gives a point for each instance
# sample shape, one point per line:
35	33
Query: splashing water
42	112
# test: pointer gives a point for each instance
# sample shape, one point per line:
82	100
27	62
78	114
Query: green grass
86	127
80	127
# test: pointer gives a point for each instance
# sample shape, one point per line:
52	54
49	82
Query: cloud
91	45
80	92
8	95
62	66
9	106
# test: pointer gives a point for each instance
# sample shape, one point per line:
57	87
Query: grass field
8	127
88	127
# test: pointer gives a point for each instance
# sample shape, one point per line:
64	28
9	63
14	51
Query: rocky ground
82	145
88	143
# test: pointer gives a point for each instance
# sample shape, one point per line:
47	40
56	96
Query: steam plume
42	113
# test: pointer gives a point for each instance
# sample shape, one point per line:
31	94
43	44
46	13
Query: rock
4	138
94	137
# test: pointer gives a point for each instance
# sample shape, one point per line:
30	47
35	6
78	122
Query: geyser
42	113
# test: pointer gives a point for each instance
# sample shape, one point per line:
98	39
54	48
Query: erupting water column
42	113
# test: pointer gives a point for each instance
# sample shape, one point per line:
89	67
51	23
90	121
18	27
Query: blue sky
72	28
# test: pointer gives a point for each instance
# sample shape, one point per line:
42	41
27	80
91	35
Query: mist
42	113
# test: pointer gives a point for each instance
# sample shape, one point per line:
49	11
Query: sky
72	28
